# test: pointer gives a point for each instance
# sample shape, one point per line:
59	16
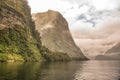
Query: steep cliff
55	34
19	41
17	34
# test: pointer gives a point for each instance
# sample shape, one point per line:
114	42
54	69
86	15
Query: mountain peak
55	34
48	16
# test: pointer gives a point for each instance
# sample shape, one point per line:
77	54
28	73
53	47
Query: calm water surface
75	70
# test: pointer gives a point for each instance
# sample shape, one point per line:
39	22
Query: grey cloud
91	12
92	9
83	18
101	39
70	8
96	16
92	22
84	4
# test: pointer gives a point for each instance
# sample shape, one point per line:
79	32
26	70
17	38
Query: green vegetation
16	45
18	39
10	57
54	56
15	40
21	6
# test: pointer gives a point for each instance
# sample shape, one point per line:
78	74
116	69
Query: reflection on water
19	71
99	70
76	70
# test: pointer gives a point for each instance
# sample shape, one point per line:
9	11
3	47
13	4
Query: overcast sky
92	22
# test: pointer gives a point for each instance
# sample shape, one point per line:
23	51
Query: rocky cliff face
55	34
17	34
111	54
19	41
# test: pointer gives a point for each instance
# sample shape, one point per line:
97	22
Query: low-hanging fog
99	40
94	24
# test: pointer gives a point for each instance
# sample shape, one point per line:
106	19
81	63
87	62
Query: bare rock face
55	34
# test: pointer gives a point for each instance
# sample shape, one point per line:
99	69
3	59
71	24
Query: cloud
82	16
94	24
44	5
84	19
72	10
98	40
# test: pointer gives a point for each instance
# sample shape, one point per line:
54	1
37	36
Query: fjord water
75	70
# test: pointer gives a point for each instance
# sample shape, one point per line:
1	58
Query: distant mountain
55	34
114	49
111	54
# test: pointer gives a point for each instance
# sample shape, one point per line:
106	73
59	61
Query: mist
98	40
